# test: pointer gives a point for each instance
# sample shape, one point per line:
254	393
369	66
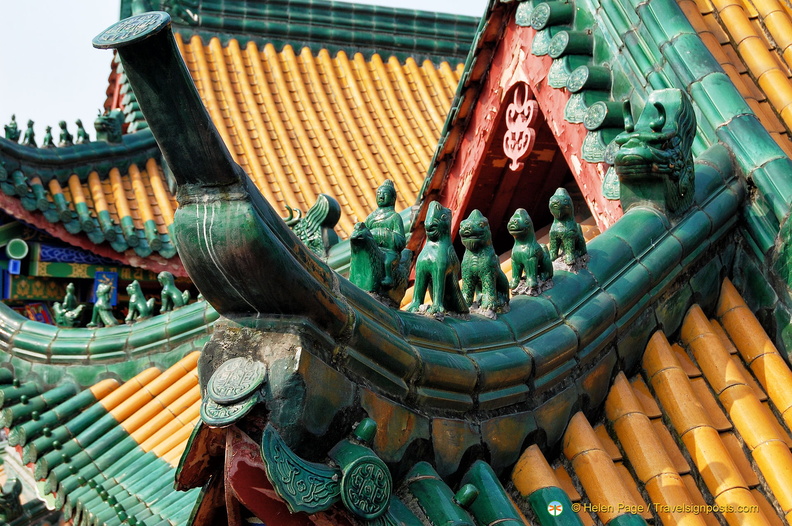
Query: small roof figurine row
67	314
380	263
12	133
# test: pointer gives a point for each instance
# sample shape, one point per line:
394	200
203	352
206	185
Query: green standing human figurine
12	130
82	135
66	138
68	312
102	310
532	268
438	266
171	296
48	140
29	138
387	227
484	284
566	236
139	307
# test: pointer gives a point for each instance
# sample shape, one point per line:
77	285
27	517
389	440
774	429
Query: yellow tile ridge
322	65
532	472
671	499
415	72
361	173
684	360
170	428
405	153
750	513
291	195
607	442
358	193
54	185
427	141
104	388
713	461
740	459
566	483
636	433
195	53
294	188
710	404
671	447
97	192
596	471
749	378
643	509
160	402
235	115
717	328
175	439
128	388
741	325
76	189
370	126
119	194
450	78
645	398
162	195
167	415
767	508
698	499
672	386
141	195
757	349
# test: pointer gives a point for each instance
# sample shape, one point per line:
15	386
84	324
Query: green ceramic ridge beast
367	267
532	268
655	161
171	296
484	285
439	266
566	236
139	307
68	312
102	310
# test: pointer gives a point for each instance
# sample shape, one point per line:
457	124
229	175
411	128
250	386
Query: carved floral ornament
521	116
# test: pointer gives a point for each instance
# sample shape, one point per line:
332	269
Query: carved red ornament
521	116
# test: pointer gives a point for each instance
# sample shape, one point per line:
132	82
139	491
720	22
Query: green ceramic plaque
366	487
217	415
132	29
236	380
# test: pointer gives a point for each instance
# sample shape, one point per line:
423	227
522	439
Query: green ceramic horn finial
315	229
566	236
532	268
484	285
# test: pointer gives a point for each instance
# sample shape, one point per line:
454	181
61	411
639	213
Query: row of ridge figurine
380	263
68	313
12	133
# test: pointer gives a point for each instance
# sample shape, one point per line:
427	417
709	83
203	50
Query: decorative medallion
575	108
610	185
523	16
577	79
305	486
235	380
521	115
132	29
558	44
217	415
558	74
540	16
366	487
541	42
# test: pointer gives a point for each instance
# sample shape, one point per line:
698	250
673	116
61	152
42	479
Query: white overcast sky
50	72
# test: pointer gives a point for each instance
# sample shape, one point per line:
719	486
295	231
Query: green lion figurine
102	310
484	285
532	268
139	307
566	236
171	296
439	266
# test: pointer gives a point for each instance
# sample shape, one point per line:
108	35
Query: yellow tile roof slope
301	125
700	436
752	40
